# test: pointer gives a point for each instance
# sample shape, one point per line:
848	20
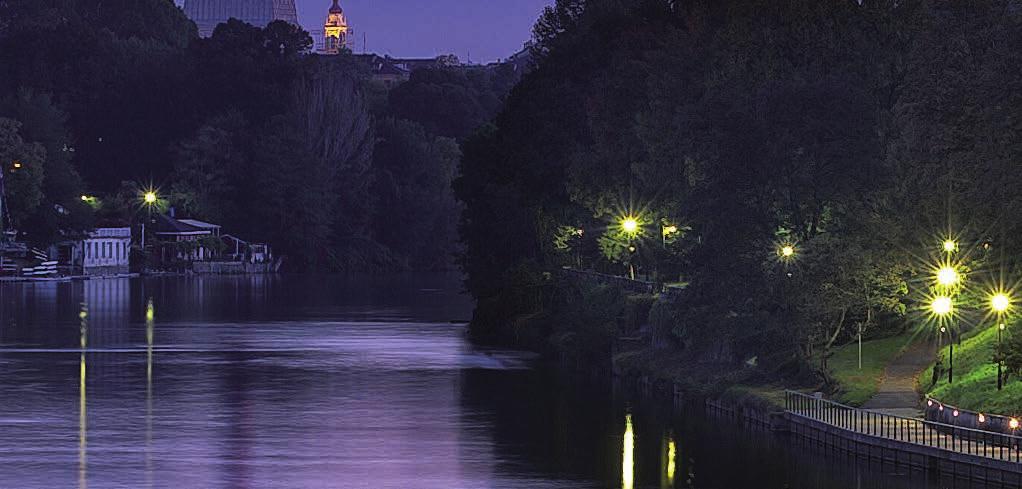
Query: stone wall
105	271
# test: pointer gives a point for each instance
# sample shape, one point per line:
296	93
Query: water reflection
286	382
672	454
83	316
628	456
150	322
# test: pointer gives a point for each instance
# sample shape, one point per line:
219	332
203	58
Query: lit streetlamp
149	199
630	225
950	246
947	276
1000	303
943	307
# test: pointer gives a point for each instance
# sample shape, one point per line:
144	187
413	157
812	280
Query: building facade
104	251
207	14
186	240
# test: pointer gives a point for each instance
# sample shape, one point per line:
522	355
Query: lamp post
949	246
786	252
149	199
630	227
943	307
1000	303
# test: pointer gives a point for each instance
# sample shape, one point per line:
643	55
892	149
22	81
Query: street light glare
150	197
788	251
630	225
1000	302
947	276
942	306
669	230
950	245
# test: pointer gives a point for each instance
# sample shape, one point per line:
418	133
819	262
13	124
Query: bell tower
335	30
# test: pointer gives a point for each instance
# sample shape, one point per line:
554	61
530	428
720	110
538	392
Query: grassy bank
975	378
858	385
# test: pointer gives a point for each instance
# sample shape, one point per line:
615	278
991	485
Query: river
330	382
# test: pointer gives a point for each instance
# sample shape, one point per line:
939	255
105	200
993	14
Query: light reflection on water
285	382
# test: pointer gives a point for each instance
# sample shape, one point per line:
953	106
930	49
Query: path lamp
947	276
1000	303
950	246
943	307
786	253
630	226
666	232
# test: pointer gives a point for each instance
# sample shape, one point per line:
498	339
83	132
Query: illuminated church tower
335	31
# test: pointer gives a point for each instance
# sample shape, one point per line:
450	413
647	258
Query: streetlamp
947	276
1000	303
786	252
943	307
630	225
950	246
149	199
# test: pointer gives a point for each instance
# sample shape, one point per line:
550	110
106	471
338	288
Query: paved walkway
897	392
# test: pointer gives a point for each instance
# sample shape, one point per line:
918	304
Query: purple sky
486	29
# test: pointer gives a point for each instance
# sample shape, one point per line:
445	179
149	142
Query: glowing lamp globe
788	251
947	276
1000	302
149	197
630	225
950	246
942	306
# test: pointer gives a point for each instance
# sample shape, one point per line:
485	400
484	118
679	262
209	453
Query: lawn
857	386
975	378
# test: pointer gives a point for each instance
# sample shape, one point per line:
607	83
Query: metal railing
987	444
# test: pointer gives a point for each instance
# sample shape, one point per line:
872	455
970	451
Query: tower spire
335	30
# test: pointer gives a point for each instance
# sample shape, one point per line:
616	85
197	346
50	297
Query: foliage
975	375
450	102
245	128
23	164
416	214
867	131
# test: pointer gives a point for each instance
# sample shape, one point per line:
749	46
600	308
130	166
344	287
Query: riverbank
630	332
626	330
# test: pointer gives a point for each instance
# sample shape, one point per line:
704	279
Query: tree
415	214
23	164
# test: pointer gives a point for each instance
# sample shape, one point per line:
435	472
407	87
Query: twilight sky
486	29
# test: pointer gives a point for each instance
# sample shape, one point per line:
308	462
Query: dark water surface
300	381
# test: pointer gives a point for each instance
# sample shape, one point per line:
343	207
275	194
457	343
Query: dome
207	14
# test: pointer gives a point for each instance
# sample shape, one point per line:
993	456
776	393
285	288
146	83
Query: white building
105	251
